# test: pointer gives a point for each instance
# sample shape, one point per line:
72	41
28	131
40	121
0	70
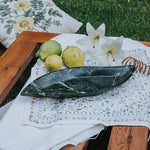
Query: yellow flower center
21	4
109	52
96	37
24	23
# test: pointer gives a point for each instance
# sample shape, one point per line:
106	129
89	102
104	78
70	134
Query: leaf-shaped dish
78	82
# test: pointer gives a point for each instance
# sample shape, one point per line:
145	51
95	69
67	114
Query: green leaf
17	34
3	14
6	1
59	15
37	5
2	7
9	28
1	20
56	22
38	17
29	13
50	11
10	21
54	13
44	11
47	23
5	10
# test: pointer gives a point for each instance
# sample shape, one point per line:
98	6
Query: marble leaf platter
78	82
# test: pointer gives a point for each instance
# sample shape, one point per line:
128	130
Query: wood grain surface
81	146
128	138
17	57
15	60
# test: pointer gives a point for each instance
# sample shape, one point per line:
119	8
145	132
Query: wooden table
18	56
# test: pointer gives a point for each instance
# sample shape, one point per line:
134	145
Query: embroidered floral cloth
33	15
127	104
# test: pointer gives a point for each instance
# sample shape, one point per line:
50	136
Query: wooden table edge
25	38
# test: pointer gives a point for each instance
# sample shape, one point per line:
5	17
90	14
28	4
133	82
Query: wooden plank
6	73
128	138
81	146
145	43
38	37
119	138
17	57
17	53
140	138
14	58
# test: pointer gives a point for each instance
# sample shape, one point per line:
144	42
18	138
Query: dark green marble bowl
78	82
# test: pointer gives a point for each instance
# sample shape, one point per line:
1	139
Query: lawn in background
130	19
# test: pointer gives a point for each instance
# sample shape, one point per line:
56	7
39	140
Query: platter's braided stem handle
139	65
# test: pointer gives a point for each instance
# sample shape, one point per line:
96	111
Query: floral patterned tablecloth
127	104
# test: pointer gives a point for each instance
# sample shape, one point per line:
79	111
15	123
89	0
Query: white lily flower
111	52
94	35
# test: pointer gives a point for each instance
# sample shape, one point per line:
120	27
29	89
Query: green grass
120	17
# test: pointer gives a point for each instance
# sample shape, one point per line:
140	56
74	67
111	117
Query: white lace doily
127	104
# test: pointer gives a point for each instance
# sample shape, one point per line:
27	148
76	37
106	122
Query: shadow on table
101	142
